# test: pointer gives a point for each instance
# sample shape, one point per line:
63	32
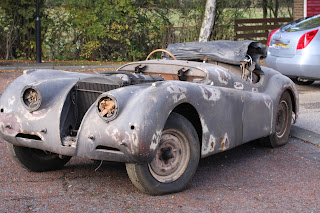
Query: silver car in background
294	50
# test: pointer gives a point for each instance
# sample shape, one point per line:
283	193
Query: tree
17	20
276	8
208	21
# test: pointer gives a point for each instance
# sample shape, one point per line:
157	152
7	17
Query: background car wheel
282	123
36	160
175	162
302	82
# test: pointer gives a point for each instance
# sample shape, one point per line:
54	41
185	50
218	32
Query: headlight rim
116	112
31	109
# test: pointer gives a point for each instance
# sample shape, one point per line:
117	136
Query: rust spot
212	144
107	107
238	85
223	76
222	144
207	93
226	143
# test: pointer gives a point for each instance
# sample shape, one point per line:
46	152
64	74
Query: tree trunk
208	21
276	9
264	8
7	48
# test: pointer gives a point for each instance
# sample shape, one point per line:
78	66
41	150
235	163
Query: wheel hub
171	157
282	118
166	155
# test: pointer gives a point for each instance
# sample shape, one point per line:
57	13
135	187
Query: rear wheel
175	162
36	160
282	123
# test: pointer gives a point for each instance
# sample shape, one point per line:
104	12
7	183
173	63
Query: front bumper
93	145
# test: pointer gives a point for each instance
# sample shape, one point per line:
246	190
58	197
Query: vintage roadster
157	116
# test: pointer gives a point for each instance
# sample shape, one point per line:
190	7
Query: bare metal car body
225	109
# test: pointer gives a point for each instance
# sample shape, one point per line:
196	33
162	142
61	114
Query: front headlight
107	108
31	98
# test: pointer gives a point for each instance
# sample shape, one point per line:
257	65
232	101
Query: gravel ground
249	178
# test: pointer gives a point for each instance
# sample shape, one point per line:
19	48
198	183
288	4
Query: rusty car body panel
225	109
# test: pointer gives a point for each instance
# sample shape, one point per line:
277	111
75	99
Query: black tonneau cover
232	52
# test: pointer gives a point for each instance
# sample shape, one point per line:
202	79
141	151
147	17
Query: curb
305	135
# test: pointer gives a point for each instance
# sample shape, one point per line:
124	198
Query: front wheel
175	161
282	123
36	160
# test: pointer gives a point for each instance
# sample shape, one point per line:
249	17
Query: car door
257	114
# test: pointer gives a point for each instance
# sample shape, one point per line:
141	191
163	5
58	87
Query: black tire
282	123
170	171
299	82
36	160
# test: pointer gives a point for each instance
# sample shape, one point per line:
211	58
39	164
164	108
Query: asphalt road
309	107
249	178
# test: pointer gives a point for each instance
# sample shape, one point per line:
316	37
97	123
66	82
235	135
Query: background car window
304	24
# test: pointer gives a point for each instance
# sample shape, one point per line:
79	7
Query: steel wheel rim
282	118
172	157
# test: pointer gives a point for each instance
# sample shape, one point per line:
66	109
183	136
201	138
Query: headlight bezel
110	99
28	91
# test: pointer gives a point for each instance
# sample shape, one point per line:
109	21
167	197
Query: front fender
136	131
44	123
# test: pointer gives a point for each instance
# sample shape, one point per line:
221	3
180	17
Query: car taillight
270	35
306	39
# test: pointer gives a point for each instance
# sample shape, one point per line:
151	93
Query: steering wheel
161	50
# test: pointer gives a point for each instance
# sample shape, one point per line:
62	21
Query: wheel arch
190	112
294	102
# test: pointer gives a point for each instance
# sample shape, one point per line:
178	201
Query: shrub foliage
112	30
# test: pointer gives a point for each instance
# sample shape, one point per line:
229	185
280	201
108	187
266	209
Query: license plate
281	45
